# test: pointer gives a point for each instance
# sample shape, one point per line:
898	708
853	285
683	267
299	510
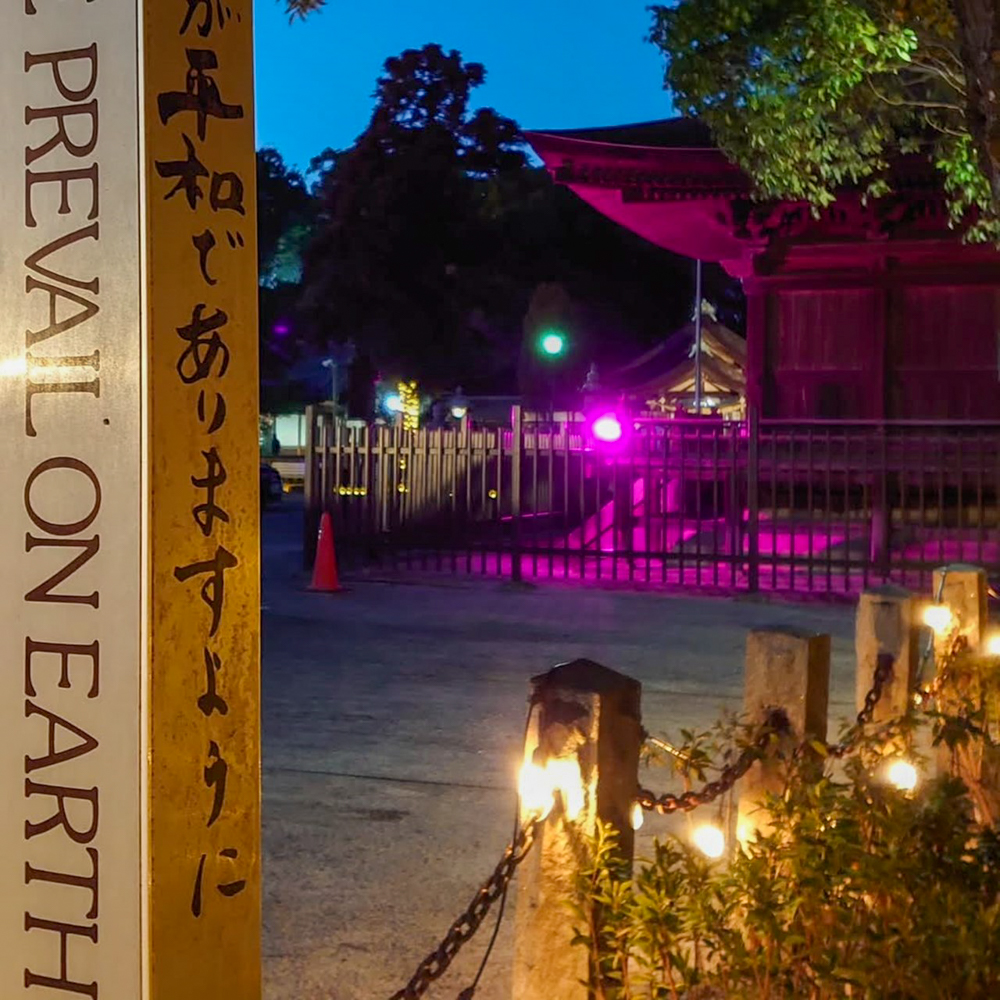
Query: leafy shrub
856	889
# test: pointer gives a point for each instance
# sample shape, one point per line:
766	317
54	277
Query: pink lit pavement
392	722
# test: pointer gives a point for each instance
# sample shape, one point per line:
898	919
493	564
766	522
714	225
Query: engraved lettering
43	593
64	931
54	755
60	818
64	650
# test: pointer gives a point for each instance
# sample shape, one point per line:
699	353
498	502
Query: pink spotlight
607	428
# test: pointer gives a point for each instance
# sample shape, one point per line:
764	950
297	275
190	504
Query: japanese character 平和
200	95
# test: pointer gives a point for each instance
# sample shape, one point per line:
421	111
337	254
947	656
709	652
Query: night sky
549	63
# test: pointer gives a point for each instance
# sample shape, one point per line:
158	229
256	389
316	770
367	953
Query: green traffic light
553	343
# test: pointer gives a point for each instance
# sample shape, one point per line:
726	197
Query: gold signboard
204	500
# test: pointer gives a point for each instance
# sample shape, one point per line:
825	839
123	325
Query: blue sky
549	63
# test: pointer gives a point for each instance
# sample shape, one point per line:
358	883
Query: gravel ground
392	725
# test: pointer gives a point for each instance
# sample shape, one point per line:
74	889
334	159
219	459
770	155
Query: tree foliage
285	215
302	8
401	260
809	96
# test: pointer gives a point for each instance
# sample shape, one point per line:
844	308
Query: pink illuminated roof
669	183
664	180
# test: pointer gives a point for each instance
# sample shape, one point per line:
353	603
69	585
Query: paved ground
392	724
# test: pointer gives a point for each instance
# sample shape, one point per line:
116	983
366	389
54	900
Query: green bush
856	890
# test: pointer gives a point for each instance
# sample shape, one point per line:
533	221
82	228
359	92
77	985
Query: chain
776	724
467	923
884	664
669	803
957	645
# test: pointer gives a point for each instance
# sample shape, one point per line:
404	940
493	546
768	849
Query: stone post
887	622
963	590
789	671
585	715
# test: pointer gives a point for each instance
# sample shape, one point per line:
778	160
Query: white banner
71	622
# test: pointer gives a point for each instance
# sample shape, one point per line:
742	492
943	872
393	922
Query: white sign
71	620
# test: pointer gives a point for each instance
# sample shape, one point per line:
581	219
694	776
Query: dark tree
285	216
398	262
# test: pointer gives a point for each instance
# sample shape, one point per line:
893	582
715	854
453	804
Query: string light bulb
901	774
637	817
709	839
992	645
937	617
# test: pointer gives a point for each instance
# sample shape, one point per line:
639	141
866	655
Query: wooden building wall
894	340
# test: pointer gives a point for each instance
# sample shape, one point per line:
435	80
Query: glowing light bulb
992	644
902	775
14	367
553	344
637	816
937	617
535	789
393	403
607	428
709	839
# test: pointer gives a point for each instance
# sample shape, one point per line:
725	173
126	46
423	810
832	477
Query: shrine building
866	310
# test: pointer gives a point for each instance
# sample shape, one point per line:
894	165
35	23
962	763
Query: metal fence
820	507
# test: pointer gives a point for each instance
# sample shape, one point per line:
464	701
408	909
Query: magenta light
607	428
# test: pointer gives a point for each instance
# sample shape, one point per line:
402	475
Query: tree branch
922	105
934	69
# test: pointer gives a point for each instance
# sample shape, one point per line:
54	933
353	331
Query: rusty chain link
731	773
884	664
776	724
468	922
926	693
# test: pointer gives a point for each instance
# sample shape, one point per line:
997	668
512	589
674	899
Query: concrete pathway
392	726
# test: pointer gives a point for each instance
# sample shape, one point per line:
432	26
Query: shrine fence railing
820	507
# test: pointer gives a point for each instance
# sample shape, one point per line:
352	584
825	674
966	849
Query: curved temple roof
668	182
664	180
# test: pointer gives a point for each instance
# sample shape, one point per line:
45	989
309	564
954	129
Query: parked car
271	488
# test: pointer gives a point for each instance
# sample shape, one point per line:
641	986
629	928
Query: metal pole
516	454
697	337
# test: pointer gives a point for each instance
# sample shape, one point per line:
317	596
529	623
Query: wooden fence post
963	591
312	504
587	716
887	622
788	671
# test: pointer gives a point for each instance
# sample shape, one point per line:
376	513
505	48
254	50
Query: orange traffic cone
325	578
